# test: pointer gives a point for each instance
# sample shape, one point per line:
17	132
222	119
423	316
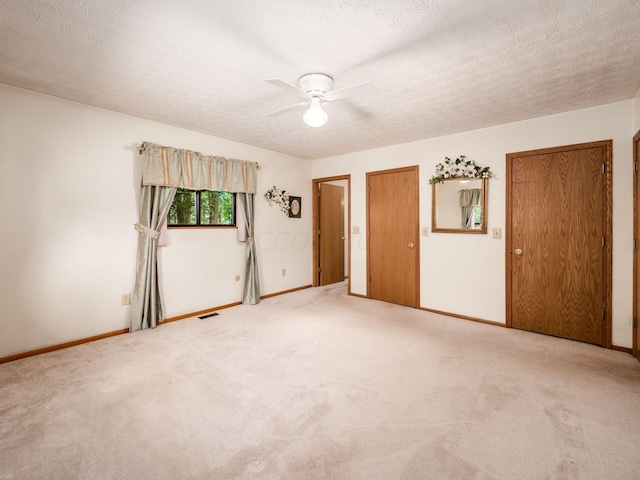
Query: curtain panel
251	292
146	303
468	198
164	170
174	167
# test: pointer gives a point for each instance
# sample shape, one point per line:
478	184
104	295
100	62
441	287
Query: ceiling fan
315	88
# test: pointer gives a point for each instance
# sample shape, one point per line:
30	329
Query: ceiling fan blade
365	88
350	109
290	108
287	86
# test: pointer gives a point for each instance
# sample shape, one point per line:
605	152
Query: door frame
636	238
607	227
415	168
315	205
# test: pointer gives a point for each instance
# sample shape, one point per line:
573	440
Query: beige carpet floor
319	385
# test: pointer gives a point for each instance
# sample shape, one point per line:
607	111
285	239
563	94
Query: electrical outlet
284	272
497	233
125	299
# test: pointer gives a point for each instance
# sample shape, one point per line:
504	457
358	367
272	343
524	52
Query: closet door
393	251
559	242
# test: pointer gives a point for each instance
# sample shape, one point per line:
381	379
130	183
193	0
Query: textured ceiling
439	66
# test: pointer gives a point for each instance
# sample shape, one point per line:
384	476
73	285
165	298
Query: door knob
518	251
410	245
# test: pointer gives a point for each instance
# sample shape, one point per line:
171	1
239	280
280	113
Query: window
477	214
202	208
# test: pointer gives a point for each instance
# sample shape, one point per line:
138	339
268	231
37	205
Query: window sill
201	227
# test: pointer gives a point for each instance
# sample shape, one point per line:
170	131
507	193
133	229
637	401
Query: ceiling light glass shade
315	116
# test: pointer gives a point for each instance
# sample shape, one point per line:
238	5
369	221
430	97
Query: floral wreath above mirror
279	197
461	167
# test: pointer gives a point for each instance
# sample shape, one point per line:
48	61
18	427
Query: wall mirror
459	205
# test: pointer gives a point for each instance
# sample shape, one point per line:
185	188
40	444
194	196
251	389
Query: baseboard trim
357	295
497	324
464	317
622	349
60	346
234	304
285	291
199	312
221	307
73	343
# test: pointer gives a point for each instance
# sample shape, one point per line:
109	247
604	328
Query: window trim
197	209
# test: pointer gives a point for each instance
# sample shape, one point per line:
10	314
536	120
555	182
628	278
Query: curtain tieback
149	232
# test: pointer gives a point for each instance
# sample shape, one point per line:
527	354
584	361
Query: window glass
183	208
477	214
216	208
202	208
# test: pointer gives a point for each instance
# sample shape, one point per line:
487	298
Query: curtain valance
470	197
174	167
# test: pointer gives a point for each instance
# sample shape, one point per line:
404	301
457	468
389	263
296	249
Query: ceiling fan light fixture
315	88
315	116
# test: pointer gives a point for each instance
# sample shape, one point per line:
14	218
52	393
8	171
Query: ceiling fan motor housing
315	84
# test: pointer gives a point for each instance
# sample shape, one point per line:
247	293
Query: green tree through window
477	214
202	208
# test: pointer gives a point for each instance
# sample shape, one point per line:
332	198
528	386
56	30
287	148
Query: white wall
69	178
69	181
444	256
282	242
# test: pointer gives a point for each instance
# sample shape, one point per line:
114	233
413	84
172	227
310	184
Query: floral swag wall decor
279	197
461	167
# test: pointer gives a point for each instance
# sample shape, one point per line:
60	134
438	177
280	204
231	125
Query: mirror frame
434	209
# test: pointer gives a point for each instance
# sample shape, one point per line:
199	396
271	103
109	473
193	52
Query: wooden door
559	241
636	246
331	233
393	237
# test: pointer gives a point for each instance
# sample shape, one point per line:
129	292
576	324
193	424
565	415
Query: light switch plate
425	231
125	299
356	230
497	233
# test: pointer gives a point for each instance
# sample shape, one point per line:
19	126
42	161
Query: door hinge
318	232
604	241
635	322
635	243
604	315
635	166
319	269
604	168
